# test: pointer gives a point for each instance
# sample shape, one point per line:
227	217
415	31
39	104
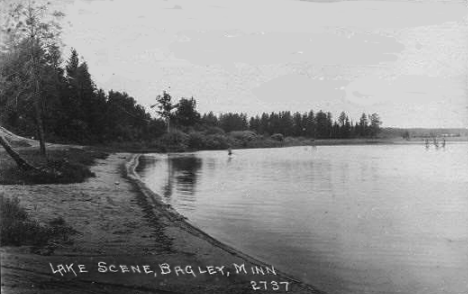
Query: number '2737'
271	285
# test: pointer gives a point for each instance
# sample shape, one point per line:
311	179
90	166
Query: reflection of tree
167	189
184	170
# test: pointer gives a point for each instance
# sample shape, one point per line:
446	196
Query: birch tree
29	33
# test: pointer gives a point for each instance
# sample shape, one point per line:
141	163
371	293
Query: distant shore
363	141
117	147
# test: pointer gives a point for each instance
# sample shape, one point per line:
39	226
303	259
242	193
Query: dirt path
122	223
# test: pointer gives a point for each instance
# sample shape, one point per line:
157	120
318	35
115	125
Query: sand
121	222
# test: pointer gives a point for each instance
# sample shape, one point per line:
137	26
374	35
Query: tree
33	33
324	124
53	90
72	66
375	123
342	119
286	123
233	122
125	120
346	130
264	123
254	124
165	107
186	114
298	126
363	125
210	119
309	121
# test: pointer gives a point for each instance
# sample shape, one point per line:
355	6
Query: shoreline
122	222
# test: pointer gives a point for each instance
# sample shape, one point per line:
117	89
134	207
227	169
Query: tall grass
18	229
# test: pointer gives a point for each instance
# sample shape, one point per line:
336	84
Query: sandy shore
124	224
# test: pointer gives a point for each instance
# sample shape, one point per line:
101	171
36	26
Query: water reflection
169	186
184	171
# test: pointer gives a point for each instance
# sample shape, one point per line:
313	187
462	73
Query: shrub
175	137
214	131
174	141
277	137
196	140
216	142
245	136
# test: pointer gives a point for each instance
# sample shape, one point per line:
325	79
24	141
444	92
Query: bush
200	141
174	141
216	142
175	137
245	136
196	140
214	131
277	137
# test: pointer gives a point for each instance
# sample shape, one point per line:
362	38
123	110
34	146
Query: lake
346	219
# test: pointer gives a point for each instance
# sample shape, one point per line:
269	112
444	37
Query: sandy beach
128	241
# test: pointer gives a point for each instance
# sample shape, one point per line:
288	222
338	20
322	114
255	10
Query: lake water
346	219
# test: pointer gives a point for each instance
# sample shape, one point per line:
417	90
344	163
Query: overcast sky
406	60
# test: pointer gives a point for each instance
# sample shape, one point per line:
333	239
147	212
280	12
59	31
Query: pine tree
363	125
375	123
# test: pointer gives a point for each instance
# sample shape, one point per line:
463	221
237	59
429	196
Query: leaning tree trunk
21	162
40	128
37	108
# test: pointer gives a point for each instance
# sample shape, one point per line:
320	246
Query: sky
405	60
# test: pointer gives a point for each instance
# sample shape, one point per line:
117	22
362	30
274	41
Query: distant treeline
74	110
310	124
408	133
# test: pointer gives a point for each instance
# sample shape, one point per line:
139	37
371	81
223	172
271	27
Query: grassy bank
66	166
